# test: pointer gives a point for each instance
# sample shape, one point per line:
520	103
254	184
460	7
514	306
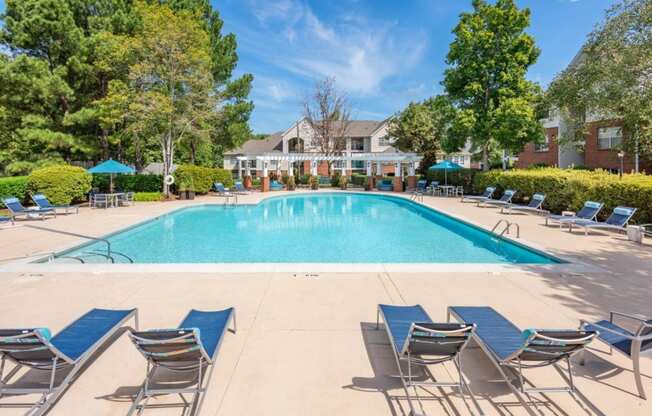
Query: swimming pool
333	227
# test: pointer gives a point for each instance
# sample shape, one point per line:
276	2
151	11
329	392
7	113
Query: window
357	164
357	144
609	137
385	141
544	146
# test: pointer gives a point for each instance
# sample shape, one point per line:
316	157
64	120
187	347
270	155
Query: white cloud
359	52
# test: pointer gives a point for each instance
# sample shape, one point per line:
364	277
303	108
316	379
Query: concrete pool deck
306	341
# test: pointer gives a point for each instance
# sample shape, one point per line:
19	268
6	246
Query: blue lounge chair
385	185
239	188
6	219
535	205
487	194
66	352
418	341
42	202
589	211
191	348
224	192
631	344
16	209
617	221
421	186
505	199
510	348
276	186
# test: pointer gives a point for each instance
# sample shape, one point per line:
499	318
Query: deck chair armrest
605	329
639	318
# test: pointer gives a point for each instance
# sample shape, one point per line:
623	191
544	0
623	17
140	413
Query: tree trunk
193	151
485	157
104	143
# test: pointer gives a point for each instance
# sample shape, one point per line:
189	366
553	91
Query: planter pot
187	195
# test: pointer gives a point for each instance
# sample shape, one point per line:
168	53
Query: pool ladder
508	226
109	253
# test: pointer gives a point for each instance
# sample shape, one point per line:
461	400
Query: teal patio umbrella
445	165
111	167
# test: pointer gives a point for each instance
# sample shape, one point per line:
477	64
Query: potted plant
343	182
313	182
291	184
186	188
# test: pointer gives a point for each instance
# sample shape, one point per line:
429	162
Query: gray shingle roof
271	143
274	142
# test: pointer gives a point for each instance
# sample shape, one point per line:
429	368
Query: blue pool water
318	228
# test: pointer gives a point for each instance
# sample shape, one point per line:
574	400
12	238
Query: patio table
447	190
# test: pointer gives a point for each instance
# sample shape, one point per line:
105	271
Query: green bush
303	179
358	179
201	179
570	188
61	184
461	177
335	180
130	183
147	196
15	186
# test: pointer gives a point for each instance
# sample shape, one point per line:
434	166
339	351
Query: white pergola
398	159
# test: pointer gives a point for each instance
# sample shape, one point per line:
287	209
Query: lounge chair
42	202
240	189
505	199
224	192
67	353
190	348
16	209
276	186
631	344
421	186
535	205
510	348
589	211
417	341
385	185
617	221
488	194
6	219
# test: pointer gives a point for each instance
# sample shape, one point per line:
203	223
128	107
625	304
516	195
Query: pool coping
32	265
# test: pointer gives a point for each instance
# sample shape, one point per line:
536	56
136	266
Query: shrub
313	181
335	180
61	184
130	183
303	179
343	182
290	183
147	196
570	188
359	180
15	186
200	178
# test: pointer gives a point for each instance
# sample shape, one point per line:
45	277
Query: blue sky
382	53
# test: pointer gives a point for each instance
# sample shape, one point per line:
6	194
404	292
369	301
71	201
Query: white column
379	169
313	167
247	168
343	167
265	168
397	169
411	169
239	169
369	168
290	168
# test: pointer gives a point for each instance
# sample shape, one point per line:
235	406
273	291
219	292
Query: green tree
612	77
488	61
171	79
422	128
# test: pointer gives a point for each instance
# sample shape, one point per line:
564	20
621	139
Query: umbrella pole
111	183
446	177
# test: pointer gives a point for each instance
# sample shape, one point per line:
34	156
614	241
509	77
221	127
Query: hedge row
570	188
200	179
147	196
130	183
15	186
